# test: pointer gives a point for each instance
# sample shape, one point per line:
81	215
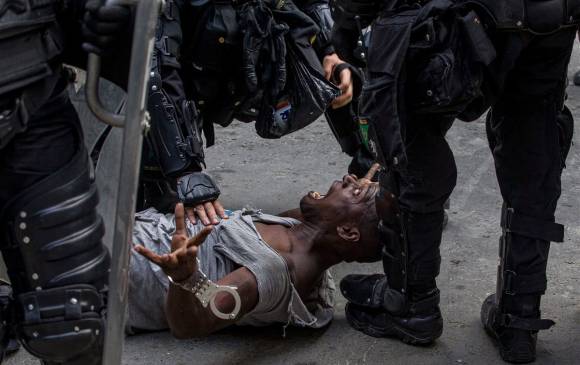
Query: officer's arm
175	131
319	11
346	77
175	135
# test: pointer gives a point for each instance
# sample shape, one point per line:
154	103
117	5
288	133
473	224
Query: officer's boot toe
364	290
417	329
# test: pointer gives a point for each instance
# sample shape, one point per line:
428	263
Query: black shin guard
520	285
58	266
411	270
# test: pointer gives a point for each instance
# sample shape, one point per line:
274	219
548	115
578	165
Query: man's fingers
149	255
210	211
190	212
219	208
180	220
342	100
347	90
202	215
328	67
192	252
372	172
199	238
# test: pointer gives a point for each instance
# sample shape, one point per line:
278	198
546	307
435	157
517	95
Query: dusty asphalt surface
274	175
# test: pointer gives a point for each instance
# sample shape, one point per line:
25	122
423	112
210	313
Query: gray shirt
234	242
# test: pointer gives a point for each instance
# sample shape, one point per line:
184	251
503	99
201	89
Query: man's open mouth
316	195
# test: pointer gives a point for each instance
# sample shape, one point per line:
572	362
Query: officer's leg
405	302
529	143
50	237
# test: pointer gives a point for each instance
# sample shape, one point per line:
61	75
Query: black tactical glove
264	49
196	188
102	25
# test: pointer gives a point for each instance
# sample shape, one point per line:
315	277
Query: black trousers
529	80
50	141
524	136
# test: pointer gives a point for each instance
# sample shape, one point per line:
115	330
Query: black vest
29	42
535	16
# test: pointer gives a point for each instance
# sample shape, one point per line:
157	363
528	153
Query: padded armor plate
54	233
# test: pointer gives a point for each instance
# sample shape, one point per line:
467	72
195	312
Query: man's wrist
191	279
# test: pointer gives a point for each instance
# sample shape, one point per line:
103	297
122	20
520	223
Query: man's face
346	200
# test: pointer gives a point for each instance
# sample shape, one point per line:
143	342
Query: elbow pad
197	188
174	134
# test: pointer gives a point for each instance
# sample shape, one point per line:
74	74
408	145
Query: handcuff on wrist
206	292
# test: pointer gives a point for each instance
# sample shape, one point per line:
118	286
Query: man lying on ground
278	264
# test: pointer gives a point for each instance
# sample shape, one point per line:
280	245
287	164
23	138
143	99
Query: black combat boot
380	311
511	316
516	332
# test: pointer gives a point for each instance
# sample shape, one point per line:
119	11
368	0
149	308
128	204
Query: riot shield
134	123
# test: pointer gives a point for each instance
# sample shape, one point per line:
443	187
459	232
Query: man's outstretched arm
186	316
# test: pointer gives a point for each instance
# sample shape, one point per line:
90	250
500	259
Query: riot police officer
50	232
200	78
524	83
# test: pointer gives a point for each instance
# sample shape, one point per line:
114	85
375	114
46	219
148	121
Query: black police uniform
529	137
50	232
198	80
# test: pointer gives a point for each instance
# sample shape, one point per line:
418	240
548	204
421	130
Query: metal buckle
508	275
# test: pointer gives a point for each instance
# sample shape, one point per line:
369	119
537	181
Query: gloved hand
102	25
263	44
199	194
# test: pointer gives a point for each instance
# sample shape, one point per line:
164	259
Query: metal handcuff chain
206	292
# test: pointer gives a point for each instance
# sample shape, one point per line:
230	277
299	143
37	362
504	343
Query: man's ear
348	232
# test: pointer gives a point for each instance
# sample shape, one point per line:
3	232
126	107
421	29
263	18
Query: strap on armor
53	232
57	262
174	136
516	222
528	324
63	325
511	283
395	249
197	188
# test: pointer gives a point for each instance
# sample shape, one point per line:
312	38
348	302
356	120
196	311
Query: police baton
134	121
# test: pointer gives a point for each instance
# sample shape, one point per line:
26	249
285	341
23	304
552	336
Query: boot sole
394	331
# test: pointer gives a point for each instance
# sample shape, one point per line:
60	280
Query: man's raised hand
181	263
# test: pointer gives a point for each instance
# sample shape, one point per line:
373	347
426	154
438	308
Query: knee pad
58	266
52	233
